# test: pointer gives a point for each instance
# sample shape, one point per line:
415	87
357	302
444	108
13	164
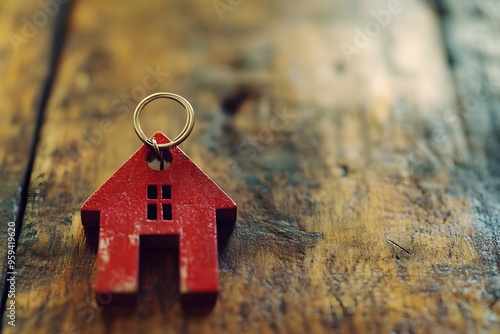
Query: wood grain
24	68
358	198
471	32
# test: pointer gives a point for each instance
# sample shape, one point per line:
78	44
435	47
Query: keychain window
152	212
166	192
152	192
167	211
162	202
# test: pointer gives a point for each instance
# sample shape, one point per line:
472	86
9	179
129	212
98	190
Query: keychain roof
175	206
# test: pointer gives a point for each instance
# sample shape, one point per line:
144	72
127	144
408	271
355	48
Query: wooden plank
24	67
470	31
352	217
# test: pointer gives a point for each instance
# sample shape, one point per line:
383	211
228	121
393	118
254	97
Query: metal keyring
184	133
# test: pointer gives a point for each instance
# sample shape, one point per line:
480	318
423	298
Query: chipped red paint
120	209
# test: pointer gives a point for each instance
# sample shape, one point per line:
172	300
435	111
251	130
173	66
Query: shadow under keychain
159	198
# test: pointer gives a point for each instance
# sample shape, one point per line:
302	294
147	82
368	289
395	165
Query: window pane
166	192
152	212
167	211
152	192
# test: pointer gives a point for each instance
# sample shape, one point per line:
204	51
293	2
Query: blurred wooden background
363	156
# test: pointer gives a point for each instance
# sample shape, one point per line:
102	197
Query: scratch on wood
400	247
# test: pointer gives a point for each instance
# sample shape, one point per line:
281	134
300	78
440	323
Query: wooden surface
21	92
367	188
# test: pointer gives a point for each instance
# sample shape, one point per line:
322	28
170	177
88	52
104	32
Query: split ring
188	127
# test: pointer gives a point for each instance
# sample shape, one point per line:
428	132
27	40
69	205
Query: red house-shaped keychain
169	206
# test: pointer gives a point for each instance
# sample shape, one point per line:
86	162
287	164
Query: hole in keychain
157	164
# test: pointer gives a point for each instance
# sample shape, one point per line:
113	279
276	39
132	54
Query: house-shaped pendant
140	207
